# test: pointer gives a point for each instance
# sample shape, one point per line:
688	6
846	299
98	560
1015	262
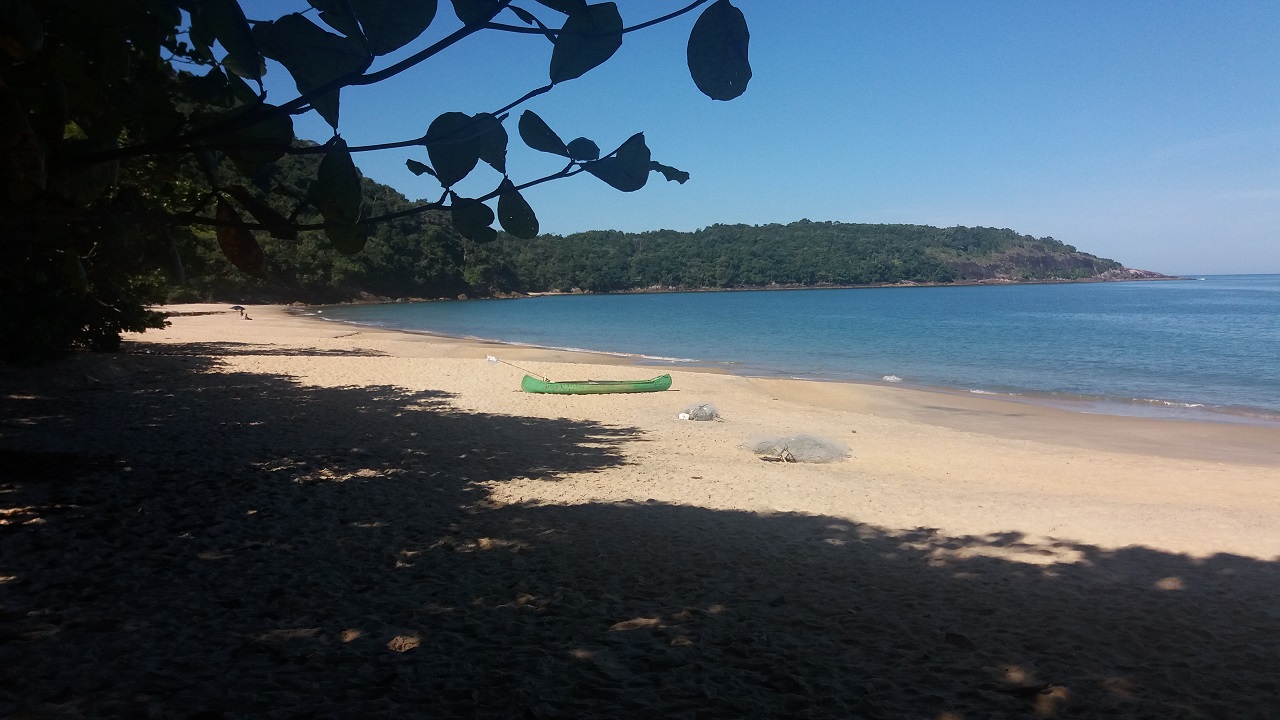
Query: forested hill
802	253
422	256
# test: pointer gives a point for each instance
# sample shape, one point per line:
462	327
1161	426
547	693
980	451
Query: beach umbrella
237	307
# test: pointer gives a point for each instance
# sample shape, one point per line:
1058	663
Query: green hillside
803	253
421	256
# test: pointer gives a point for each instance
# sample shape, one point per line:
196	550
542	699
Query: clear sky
1143	131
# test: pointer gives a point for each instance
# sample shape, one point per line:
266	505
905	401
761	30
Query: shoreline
955	409
516	294
958	444
1147	408
283	516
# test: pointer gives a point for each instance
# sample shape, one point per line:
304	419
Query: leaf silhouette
472	218
583	149
418	168
267	216
336	190
237	242
670	173
717	52
627	169
514	213
452	147
391	24
538	135
313	57
491	145
227	23
474	12
590	36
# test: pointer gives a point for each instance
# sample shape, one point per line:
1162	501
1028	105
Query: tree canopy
799	254
422	256
132	128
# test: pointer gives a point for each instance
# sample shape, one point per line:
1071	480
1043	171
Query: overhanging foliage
119	120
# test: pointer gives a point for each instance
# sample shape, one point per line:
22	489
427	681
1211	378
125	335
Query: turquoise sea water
1199	349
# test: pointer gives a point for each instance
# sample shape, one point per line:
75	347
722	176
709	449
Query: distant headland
802	254
422	256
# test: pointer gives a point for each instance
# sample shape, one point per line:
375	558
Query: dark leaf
531	19
475	12
289	192
336	190
257	144
208	161
313	57
327	105
241	91
208	89
514	213
21	32
336	194
202	32
452	146
391	24
50	121
347	240
237	242
84	89
338	15
627	169
525	16
472	218
718	52
267	216
568	7
584	149
670	173
492	142
178	273
590	36
151	110
536	134
22	164
418	168
228	24
85	183
73	271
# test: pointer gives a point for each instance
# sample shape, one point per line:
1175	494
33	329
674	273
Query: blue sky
1148	132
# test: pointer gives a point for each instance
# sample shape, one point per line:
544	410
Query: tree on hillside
126	123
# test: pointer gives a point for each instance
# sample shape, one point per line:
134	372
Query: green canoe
532	384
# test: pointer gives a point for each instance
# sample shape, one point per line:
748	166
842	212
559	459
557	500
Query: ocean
1204	348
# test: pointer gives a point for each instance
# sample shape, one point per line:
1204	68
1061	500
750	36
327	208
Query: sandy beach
285	517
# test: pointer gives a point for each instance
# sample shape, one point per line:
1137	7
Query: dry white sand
287	517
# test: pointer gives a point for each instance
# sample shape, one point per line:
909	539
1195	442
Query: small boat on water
531	384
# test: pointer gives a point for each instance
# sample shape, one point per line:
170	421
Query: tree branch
675	14
302	103
190	218
526	97
552	33
320	149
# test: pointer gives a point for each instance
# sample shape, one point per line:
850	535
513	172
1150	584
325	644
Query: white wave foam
610	353
1168	403
668	359
891	378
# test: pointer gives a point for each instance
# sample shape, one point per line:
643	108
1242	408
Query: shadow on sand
180	543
